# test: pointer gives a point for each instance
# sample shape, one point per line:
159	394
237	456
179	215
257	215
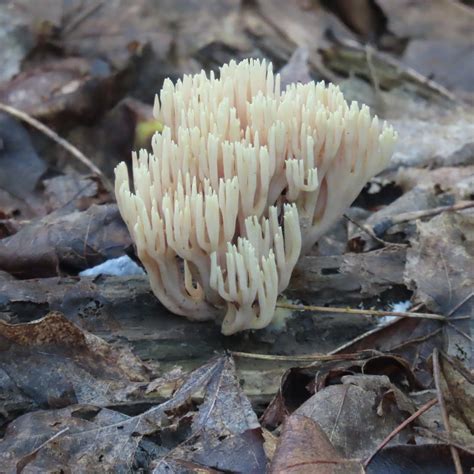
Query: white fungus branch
242	179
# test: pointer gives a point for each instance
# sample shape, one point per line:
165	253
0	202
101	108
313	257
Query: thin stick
462	333
322	461
368	230
301	357
55	137
371	312
461	303
382	227
444	411
399	428
417	340
442	437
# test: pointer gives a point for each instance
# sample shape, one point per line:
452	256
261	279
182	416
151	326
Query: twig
444	411
399	428
382	227
322	461
416	340
462	333
301	357
442	437
371	312
368	230
13	111
461	303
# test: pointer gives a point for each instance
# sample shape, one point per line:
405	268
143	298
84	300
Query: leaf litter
96	376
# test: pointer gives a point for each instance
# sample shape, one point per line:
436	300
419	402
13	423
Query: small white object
121	266
399	307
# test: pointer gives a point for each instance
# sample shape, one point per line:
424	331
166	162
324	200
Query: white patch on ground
399	307
121	266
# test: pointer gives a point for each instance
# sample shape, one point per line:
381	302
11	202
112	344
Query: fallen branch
14	112
370	312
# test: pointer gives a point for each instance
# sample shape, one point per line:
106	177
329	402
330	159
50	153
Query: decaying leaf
414	200
341	409
60	242
413	339
304	448
73	88
432	458
305	387
52	363
225	431
79	437
84	436
440	269
342	279
457	387
73	191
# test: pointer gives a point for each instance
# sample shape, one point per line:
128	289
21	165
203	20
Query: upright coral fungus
243	178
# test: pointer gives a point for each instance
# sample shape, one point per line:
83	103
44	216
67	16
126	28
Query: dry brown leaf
65	243
346	410
52	363
304	448
62	89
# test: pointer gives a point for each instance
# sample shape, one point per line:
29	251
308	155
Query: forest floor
97	376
